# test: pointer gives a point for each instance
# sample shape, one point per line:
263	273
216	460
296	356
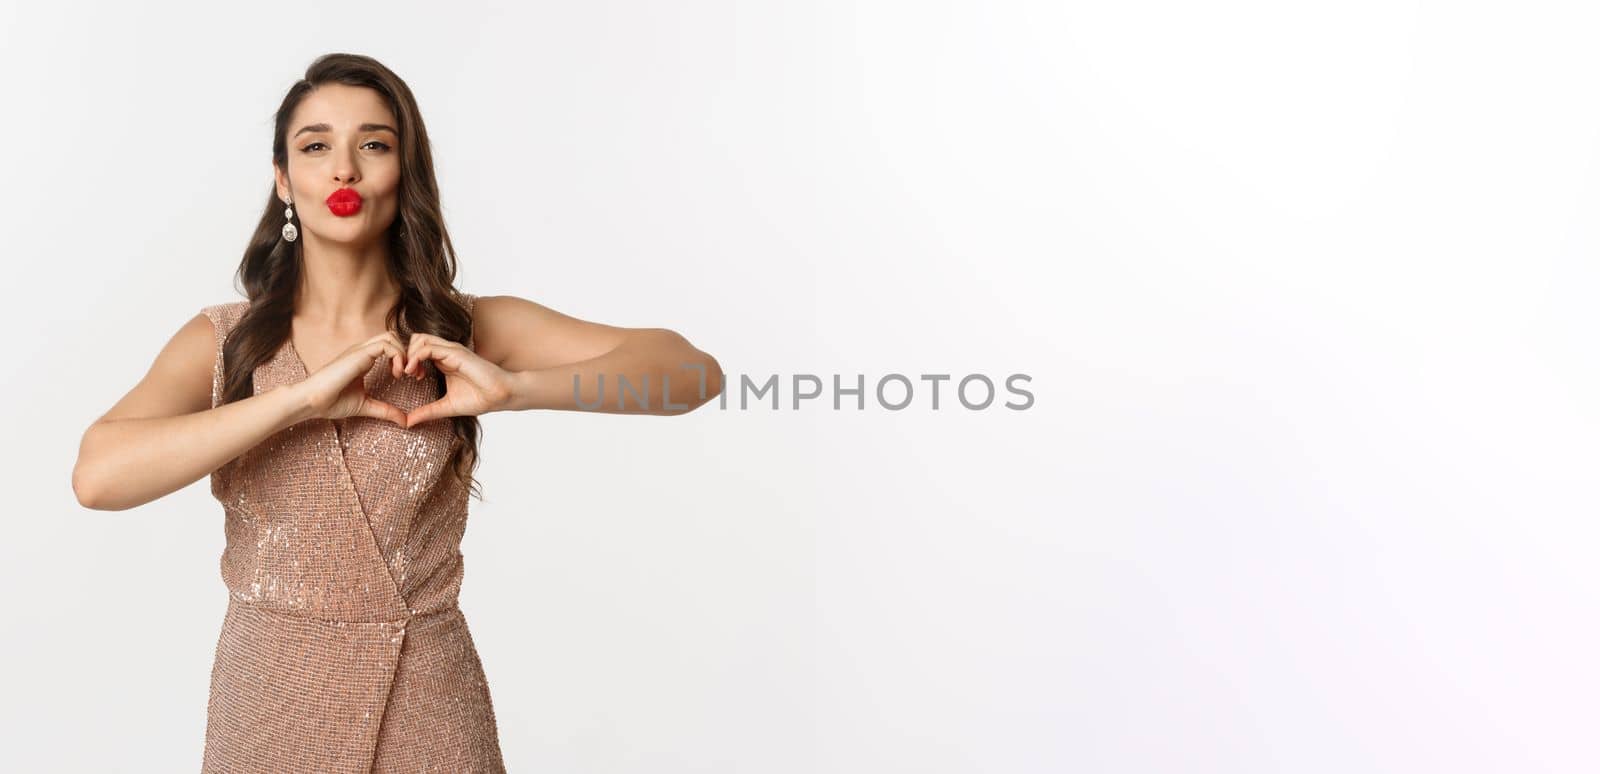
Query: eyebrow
361	128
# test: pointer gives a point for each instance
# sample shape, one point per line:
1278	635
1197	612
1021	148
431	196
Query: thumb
377	409
426	412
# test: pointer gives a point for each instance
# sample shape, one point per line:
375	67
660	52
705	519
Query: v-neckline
337	429
343	473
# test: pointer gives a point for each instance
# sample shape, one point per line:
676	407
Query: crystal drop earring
290	233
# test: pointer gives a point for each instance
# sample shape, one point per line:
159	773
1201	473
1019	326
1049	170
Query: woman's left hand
472	385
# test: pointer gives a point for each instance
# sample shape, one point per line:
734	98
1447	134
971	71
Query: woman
335	411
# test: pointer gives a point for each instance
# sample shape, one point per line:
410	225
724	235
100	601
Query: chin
348	235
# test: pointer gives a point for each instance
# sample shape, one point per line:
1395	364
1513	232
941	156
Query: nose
344	170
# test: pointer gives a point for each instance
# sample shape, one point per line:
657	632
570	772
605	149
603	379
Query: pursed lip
344	201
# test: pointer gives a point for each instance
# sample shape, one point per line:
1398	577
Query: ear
282	182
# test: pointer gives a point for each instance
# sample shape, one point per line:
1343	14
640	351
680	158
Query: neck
345	284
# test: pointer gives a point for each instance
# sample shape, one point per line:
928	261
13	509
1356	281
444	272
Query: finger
377	409
381	346
413	367
416	342
396	351
419	358
447	356
359	358
396	362
389	344
399	361
411	357
420	342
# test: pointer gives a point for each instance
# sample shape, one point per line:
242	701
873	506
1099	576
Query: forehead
341	107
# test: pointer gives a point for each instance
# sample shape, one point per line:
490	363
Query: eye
382	146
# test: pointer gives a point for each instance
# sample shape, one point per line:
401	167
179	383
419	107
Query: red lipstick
344	202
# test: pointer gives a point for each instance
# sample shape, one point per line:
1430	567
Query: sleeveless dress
343	649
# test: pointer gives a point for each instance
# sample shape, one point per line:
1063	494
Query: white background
1305	290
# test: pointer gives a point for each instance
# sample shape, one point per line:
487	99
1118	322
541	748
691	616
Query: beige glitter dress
343	649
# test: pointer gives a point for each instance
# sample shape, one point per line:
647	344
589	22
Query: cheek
387	181
390	197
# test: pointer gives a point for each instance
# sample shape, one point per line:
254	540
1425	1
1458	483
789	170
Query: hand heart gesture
337	390
472	385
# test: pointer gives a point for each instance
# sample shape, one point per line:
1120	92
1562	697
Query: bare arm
544	351
163	435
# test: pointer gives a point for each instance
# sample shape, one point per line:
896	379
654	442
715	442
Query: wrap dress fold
343	648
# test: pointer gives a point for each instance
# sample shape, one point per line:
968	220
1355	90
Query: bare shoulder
179	380
519	334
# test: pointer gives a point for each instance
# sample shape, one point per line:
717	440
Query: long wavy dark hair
421	257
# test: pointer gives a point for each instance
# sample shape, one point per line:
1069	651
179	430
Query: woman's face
342	137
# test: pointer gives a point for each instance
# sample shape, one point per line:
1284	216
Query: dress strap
223	317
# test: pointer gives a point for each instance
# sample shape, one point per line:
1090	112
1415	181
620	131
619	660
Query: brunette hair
422	259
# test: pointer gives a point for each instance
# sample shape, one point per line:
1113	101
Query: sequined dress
343	649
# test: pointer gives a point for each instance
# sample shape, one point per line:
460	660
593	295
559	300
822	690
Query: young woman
335	411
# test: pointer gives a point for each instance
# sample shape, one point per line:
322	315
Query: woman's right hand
337	390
